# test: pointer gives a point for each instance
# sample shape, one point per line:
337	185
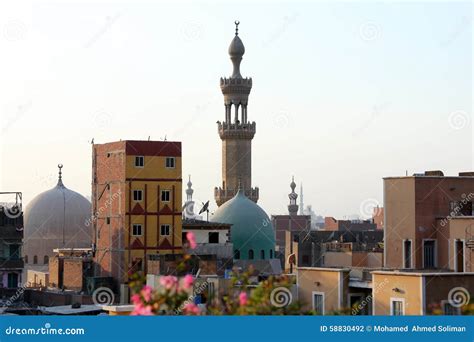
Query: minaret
293	207
301	200
188	211
236	132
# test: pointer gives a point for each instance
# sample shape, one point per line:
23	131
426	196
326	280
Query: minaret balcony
223	195
236	130
236	86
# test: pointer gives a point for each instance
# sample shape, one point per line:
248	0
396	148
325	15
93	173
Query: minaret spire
236	131
60	175
293	207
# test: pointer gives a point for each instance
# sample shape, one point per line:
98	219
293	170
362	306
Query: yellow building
136	202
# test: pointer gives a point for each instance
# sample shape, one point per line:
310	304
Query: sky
343	94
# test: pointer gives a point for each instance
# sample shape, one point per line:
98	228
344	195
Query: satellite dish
204	208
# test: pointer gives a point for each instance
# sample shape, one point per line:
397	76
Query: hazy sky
343	93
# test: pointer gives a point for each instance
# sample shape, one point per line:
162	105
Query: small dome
252	232
236	47
56	218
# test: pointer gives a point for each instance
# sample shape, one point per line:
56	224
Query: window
271	253
262	254
137	195
137	230
35	259
213	237
165	229
318	303
429	254
165	195
139	161
108	220
46	260
251	256
450	310
462	208
397	306
236	254
407	254
459	255
170	162
26	259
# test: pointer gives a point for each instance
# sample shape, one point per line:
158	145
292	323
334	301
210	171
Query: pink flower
191	309
146	293
192	240
136	299
188	281
169	282
243	298
142	310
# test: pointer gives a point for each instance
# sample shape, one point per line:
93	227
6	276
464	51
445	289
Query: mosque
252	232
56	218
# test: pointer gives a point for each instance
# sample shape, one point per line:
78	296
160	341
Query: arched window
236	254
35	259
46	260
262	254
251	254
26	259
271	253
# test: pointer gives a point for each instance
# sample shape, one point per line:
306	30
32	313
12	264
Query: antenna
205	208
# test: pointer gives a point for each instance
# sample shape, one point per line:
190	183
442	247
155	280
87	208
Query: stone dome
57	218
236	47
252	232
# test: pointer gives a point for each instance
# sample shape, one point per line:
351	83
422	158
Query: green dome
251	232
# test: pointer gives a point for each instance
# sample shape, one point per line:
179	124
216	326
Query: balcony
11	263
221	250
10	233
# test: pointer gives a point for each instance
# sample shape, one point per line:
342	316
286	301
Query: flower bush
244	296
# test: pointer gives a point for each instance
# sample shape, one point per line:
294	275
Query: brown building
136	199
428	221
378	216
69	268
330	223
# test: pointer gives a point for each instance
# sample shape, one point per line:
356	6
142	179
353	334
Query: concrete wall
333	283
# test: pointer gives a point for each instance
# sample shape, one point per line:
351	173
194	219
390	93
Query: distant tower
236	132
293	207
189	204
301	200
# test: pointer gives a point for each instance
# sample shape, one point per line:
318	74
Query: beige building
428	242
418	292
322	289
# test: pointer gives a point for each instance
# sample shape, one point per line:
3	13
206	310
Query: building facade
11	239
236	131
137	197
428	221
